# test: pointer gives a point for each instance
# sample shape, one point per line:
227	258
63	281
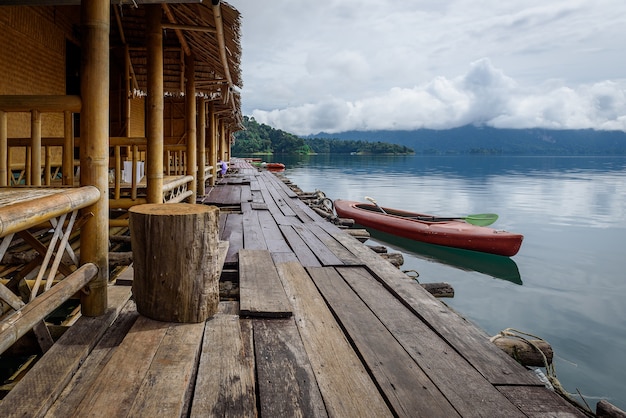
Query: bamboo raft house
113	115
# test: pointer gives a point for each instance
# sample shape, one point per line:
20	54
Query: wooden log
360	234
397	259
439	290
344	222
524	352
176	252
380	249
605	409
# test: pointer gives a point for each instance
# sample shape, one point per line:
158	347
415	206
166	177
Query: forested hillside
491	141
258	138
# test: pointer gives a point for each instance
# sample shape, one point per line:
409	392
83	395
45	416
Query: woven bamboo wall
138	117
32	53
174	120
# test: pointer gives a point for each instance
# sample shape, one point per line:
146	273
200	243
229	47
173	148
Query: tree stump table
176	261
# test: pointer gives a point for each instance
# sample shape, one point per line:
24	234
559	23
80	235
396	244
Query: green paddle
479	219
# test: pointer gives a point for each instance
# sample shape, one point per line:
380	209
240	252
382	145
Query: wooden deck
323	327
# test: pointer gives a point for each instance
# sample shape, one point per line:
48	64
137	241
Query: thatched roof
209	31
188	29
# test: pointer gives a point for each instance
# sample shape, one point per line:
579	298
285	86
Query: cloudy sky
337	65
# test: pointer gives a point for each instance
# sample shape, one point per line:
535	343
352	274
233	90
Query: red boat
274	166
449	232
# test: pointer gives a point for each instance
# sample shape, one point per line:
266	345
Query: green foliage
258	138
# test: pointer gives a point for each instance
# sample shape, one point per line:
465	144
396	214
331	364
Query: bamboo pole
192	143
223	140
68	149
94	150
212	143
35	135
201	141
154	128
127	90
4	150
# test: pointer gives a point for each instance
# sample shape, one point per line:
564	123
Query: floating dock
323	326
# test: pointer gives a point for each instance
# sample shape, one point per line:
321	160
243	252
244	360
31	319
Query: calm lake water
567	284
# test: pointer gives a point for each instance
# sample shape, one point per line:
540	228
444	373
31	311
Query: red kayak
431	229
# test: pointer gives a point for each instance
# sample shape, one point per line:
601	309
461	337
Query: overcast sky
337	65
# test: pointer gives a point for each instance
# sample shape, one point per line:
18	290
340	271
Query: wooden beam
190	28
179	33
42	103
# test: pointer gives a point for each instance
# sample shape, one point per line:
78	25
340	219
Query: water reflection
495	266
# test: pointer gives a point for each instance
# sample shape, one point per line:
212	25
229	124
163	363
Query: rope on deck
553	381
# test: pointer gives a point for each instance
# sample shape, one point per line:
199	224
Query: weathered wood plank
164	388
246	193
466	338
273	237
299	247
280	184
260	289
253	238
466	389
75	391
233	233
396	373
333	245
539	402
345	384
123	375
280	199
36	392
224	195
225	379
287	386
323	253
257	196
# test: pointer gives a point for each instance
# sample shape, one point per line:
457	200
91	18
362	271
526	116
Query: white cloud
376	64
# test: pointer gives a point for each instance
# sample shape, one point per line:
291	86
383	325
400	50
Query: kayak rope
550	368
414	274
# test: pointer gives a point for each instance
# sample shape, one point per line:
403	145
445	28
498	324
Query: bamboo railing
30	169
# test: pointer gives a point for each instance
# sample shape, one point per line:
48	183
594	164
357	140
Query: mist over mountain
492	141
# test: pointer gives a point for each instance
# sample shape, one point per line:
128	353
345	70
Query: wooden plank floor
324	327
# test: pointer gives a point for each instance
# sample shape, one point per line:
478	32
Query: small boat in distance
449	232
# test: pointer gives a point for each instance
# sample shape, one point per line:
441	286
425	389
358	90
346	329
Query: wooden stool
176	261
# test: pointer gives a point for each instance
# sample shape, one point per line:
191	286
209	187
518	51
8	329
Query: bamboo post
192	143
35	137
47	165
176	261
117	176
68	149
94	149
127	89
4	150
201	141
212	143
154	128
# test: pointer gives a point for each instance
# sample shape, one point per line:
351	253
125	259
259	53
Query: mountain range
486	140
